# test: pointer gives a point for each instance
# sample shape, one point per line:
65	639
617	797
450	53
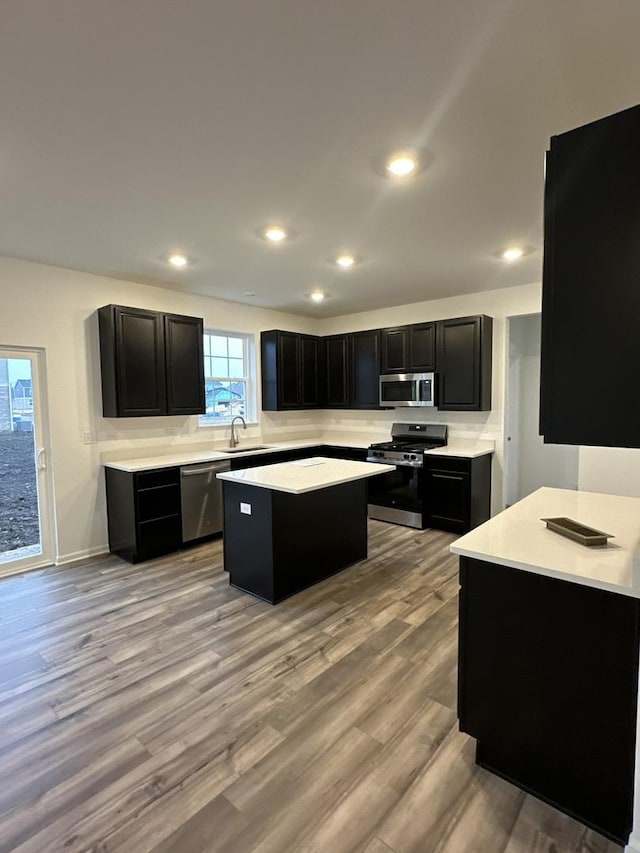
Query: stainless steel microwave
407	389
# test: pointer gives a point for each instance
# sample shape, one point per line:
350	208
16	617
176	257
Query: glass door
25	528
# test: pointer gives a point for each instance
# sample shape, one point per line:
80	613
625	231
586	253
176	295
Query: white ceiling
130	128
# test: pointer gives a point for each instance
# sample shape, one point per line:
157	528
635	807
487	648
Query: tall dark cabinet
463	355
590	369
336	354
151	363
364	373
290	371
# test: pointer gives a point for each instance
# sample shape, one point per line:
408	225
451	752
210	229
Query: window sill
227	424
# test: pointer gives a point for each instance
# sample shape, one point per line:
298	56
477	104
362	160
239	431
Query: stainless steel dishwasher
201	499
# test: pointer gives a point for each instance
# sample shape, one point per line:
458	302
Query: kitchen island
290	525
548	655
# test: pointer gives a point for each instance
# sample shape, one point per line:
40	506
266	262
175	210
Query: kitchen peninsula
289	525
548	656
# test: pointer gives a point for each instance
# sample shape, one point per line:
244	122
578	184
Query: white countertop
457	447
518	538
306	475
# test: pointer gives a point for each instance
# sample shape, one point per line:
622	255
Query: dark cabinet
143	513
151	363
456	492
336	355
463	356
590	366
528	645
290	370
364	373
408	349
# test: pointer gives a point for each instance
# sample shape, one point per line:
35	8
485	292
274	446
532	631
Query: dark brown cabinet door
448	499
309	372
288	370
136	371
590	369
337	379
464	363
184	363
393	350
421	347
364	354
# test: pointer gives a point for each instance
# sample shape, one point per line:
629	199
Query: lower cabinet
548	681
456	492
143	512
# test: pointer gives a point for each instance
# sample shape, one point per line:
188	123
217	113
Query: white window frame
249	358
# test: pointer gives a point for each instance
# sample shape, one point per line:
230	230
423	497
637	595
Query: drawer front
161	536
159	477
158	502
447	463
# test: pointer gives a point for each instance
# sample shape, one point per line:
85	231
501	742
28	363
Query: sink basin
245	449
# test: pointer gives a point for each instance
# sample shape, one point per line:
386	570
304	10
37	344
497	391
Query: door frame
42	447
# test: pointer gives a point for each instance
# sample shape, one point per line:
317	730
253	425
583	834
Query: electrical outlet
245	509
88	437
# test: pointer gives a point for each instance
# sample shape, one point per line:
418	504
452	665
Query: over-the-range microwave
408	389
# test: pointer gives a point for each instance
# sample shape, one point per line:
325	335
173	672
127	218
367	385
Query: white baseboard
85	554
634	845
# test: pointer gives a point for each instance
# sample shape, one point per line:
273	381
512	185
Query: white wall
498	304
530	462
614	470
55	309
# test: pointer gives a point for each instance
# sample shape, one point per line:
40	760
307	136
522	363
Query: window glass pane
207	344
218	345
236	367
235	348
208	366
220	367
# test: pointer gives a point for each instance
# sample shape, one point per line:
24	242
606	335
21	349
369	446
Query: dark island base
548	682
290	542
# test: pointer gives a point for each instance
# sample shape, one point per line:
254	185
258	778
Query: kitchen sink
245	449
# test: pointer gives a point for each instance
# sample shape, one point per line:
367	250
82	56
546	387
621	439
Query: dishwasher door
201	498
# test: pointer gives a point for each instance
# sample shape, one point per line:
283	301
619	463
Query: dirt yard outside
18	491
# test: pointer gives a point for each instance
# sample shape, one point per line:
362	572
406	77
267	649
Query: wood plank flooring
153	708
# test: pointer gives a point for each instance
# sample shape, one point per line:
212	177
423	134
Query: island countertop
518	538
305	475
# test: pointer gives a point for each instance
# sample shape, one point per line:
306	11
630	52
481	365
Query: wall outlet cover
245	509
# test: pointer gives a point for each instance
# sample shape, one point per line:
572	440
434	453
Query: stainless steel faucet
234	440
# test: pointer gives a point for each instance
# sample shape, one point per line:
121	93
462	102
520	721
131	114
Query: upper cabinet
408	349
343	371
591	283
151	363
364	372
290	365
463	358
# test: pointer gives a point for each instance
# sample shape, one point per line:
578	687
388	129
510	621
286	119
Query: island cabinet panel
290	371
548	680
463	353
151	363
456	492
590	368
276	543
143	513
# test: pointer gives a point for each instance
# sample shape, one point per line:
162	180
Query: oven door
396	496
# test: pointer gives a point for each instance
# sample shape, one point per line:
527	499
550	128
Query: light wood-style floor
154	708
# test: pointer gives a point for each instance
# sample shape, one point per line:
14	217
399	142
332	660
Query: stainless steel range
398	496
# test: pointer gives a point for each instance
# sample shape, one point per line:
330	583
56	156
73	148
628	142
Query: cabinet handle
449	476
197	471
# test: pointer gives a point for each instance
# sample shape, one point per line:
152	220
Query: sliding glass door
25	529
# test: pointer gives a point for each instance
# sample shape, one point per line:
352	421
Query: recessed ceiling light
402	165
345	261
513	253
177	260
317	296
275	233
